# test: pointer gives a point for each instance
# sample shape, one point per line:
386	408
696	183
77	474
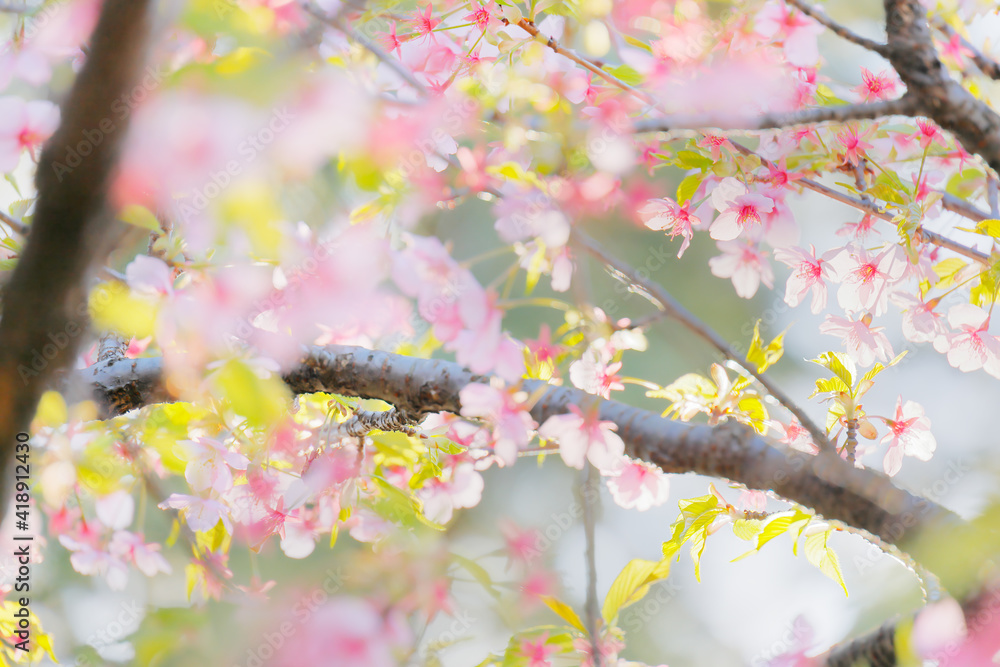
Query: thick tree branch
838	29
44	308
674	309
913	56
903	106
863	499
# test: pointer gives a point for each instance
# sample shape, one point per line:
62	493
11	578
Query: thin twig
991	195
986	65
530	28
675	310
902	106
949	202
838	29
15	225
588	489
8	8
371	46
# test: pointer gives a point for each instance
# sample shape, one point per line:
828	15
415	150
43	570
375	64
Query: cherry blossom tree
256	346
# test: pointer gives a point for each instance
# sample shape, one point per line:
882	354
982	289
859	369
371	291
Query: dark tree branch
838	29
863	499
903	106
945	101
45	306
674	309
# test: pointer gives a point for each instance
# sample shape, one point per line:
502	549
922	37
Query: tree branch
16	225
861	498
914	57
674	309
45	301
986	65
902	106
838	29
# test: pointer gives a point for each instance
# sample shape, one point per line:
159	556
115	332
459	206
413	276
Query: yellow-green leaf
990	227
565	612
632	584
823	557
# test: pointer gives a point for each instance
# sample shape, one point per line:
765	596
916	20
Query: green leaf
765	357
627	74
688	186
632	584
565	612
692	160
753	409
697	515
839	364
478	573
823	557
140	216
399	506
990	227
778	525
747	529
947	269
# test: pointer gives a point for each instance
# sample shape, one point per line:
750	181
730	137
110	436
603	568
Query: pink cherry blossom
208	464
853	142
585	437
115	510
666	215
745	264
972	347
921	322
864	342
504	409
795	436
348	632
738	209
150	275
459	486
482	346
484	15
537	651
939	629
909	434
928	133
876	86
595	372
201	514
797	32
808	273
521	544
639	485
865	279
424	24
24	126
132	548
